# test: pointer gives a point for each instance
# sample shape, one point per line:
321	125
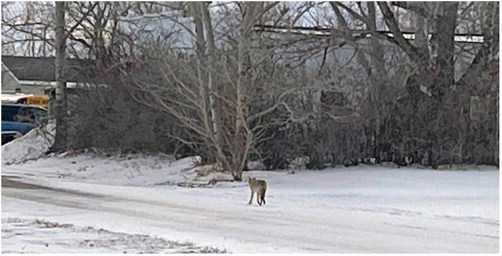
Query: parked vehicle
19	119
40	100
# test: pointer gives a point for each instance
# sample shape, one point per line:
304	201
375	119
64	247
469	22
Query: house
36	75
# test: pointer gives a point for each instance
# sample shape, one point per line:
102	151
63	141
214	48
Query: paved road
184	216
342	232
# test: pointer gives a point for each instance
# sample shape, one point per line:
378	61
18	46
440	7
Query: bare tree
433	57
27	28
218	95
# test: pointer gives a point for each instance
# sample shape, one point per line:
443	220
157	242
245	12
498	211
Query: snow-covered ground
38	236
131	203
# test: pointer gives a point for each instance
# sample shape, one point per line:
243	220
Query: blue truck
19	119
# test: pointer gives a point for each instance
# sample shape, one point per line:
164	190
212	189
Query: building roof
43	68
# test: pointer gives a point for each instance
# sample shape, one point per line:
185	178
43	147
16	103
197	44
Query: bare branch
391	22
349	10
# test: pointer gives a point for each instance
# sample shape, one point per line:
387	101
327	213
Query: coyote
259	187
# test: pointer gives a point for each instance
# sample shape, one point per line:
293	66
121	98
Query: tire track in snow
176	214
210	220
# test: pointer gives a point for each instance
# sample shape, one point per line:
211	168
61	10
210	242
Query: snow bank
31	146
124	169
39	236
121	169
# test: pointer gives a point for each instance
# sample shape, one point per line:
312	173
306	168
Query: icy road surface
346	210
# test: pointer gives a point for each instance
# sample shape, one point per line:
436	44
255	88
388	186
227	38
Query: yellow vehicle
28	99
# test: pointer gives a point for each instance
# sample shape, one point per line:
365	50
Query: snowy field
131	203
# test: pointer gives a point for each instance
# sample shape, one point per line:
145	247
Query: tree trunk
60	106
243	134
215	117
444	75
445	70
